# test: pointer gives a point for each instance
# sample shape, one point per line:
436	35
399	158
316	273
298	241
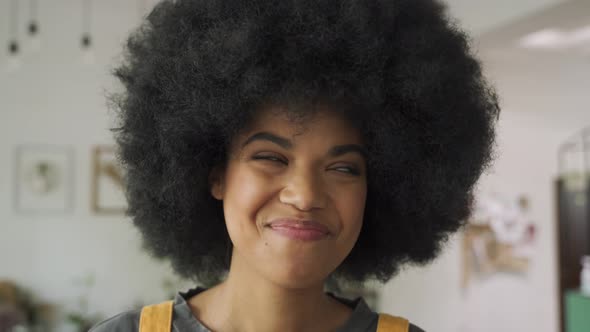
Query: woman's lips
305	230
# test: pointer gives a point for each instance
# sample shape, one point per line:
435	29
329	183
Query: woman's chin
296	277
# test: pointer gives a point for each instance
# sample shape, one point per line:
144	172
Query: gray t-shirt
363	319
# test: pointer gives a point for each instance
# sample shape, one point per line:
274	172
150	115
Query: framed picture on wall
43	179
107	196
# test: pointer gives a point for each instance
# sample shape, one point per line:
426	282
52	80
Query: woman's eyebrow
266	136
342	149
285	143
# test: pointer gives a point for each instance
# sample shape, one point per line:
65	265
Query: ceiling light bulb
546	38
35	38
87	50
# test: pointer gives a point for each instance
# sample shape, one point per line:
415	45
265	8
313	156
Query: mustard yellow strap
388	323
156	317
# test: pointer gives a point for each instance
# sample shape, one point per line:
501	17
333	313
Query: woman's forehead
320	120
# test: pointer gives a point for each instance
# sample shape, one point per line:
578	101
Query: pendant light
86	39
14	51
33	27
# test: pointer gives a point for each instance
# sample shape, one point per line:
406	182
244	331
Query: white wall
432	296
55	99
544	101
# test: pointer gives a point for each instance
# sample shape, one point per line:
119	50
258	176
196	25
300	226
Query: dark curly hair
195	73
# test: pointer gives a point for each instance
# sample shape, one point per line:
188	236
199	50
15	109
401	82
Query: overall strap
388	323
156	317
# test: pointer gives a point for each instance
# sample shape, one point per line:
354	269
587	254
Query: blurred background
69	257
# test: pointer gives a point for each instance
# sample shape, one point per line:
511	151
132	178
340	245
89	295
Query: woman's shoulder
129	320
363	318
123	322
411	327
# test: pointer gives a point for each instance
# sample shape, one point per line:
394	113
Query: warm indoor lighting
556	38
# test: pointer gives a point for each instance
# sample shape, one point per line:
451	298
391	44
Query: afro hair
195	72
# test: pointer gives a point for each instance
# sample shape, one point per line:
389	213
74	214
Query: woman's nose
304	191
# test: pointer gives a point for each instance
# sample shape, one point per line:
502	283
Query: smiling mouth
304	234
303	230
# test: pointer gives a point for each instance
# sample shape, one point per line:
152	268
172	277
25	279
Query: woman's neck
246	302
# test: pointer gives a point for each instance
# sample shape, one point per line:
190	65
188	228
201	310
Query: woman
271	146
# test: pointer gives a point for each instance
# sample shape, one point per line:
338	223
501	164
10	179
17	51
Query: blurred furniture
11	312
19	309
577	312
572	189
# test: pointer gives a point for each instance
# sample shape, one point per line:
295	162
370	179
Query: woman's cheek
351	207
251	189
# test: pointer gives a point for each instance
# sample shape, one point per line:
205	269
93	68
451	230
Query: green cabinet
577	312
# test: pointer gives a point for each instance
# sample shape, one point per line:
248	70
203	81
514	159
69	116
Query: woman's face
294	196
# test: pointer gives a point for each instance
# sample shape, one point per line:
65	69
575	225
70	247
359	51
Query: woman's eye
341	169
269	158
349	170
